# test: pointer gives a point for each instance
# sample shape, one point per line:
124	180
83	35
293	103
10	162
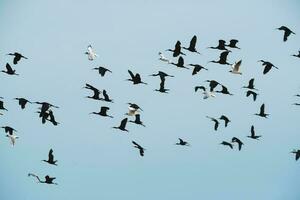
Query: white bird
235	68
91	53
12	138
206	93
163	58
133	109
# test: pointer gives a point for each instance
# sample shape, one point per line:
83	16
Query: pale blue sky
97	162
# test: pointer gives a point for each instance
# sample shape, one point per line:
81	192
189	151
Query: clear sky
98	162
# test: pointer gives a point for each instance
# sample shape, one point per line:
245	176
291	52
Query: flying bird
162	88
9	70
297	55
122	125
197	68
262	112
9	130
227	144
163	58
48	179
297	154
106	97
224	90
177	50
180	63
226	120
254	94
240	143
135	78
215	121
137	120
2	105
221	46
23	102
102	70
206	93
133	109
253	136
235	68
45	107
232	44
139	147
267	66
52	118
287	32
91	53
51	160
162	75
212	84
102	112
182	142
250	85
222	59
17	57
192	47
96	94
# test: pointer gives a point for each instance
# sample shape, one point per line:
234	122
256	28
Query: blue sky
97	162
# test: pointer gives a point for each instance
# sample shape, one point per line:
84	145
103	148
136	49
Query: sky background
98	162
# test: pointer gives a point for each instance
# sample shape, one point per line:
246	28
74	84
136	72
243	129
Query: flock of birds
45	111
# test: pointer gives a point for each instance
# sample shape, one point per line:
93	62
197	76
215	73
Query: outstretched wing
131	74
193	42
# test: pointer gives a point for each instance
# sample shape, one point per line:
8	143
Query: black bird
17	57
232	44
139	147
205	93
268	66
297	154
102	112
226	120
9	70
162	88
240	143
221	46
297	55
297	95
136	79
254	94
182	142
197	68
180	63
137	120
253	136
45	107
102	70
96	94
224	90
162	75
212	84
48	179
192	47
222	59
250	85
2	106
106	97
296	104
262	112
287	32
122	125
45	116
227	144
216	122
177	49
52	118
134	106
51	160
22	102
9	130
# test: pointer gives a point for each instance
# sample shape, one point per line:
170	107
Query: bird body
17	57
9	70
297	154
222	59
91	53
240	143
177	50
180	63
215	121
287	32
137	120
236	68
262	112
139	147
22	102
102	70
192	47
135	78
253	136
103	112
226	120
267	66
254	94
227	144
197	68
50	160
122	125
232	44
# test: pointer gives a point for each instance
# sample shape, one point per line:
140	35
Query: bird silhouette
139	147
2	105
215	121
180	63
91	53
52	118
162	88
254	94
297	154
267	66
238	141
106	97
250	85
102	112
296	104
137	120
122	125
226	120
287	32
262	112
135	79
222	59
51	160
162	75
45	107
224	90
182	142
96	94
9	130
9	70
221	46
23	102
235	69
227	144
17	57
212	84
297	55
232	44
197	68
192	47
177	50
48	179
206	93
102	70
253	136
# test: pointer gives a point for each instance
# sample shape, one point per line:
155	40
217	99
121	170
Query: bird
197	68
192	47
177	50
221	46
136	79
122	125
226	120
96	94
262	112
222	59
139	147
106	97
45	107
102	70
224	90
9	70
254	94
9	130
48	179
296	104
287	32
253	136
52	118
134	106
163	58
297	154
12	138
297	55
162	88
180	63
91	53
213	84
235	68
162	75
182	142
232	44
206	93
102	112
216	122
2	105
50	160
250	85
17	57
297	95
137	120
133	109
22	102
240	143
227	144
267	66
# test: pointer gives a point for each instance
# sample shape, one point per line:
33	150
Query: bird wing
123	123
137	117
251	83
50	155
237	65
216	124
267	69
196	69
223	55
286	35
193	42
297	155
262	108
180	140
180	61
200	87
252	131
233	42
8	67
104	109
131	74
136	144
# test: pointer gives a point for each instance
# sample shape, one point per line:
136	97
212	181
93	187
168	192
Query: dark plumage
137	120
197	68
182	142
139	147
267	66
135	78
180	63
222	59
9	130
177	49
297	154
51	160
102	112
192	47
212	84
215	121
232	44
17	57
9	70
262	112
240	143
224	90
287	32
122	125
250	85
254	94
96	94
226	120
102	70
227	144
253	136
221	46
22	102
